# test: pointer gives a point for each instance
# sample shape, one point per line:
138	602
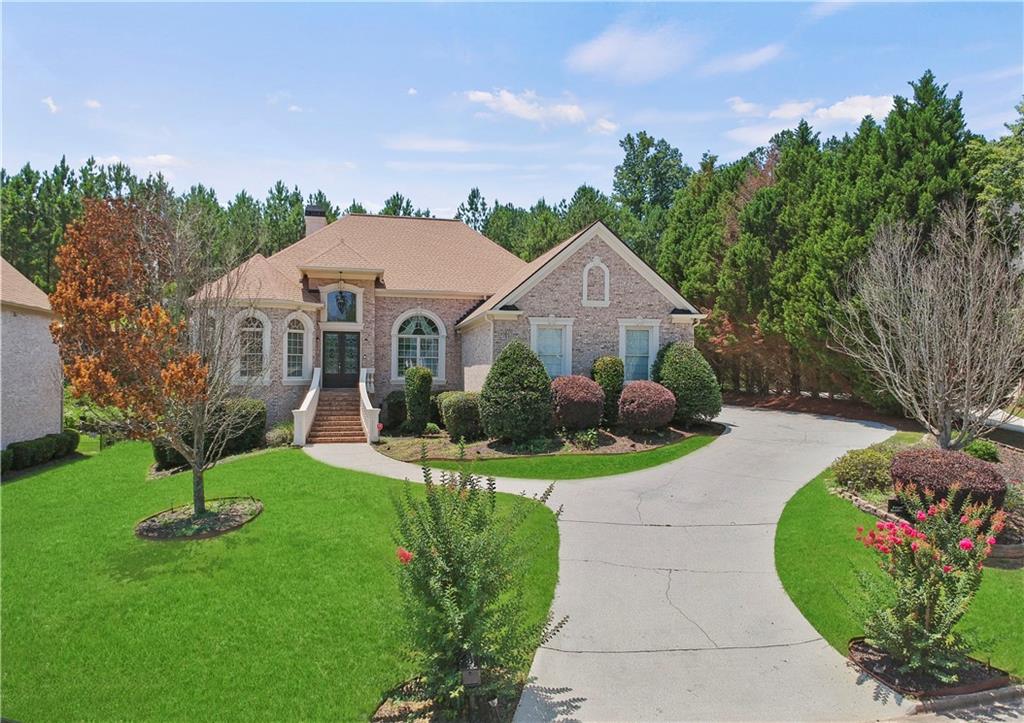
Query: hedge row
940	470
248	438
32	452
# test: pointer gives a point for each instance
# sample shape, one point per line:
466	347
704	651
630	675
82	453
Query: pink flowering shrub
932	569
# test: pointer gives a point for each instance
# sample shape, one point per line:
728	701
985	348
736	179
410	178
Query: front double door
341	359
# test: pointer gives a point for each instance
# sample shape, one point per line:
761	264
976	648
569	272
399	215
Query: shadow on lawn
139	560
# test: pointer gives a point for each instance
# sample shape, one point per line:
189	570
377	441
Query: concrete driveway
668	578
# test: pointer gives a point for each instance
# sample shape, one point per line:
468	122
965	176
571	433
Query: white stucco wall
31	395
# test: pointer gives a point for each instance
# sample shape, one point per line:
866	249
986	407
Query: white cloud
527	106
603	127
107	160
159	160
741	62
855	107
434	144
631	55
93	103
297	109
826	8
412	91
743	107
755	135
50	105
792	109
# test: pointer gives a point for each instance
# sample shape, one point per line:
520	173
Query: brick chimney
316	219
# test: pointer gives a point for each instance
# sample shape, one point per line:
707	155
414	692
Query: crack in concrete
682	650
667	569
640	496
668	599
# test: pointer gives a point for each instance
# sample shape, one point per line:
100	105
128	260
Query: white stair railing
368	414
304	415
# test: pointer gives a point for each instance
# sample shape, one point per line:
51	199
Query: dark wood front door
341	358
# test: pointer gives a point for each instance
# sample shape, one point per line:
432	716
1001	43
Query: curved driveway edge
668	577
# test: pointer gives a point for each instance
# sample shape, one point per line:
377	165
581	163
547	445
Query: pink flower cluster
887	535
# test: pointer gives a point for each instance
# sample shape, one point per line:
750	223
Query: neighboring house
369	296
31	389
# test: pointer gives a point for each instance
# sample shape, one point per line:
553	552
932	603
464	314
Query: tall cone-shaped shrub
687	374
515	402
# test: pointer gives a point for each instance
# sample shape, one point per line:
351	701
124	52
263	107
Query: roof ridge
406	218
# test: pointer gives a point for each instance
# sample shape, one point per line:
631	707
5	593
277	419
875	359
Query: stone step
336	439
339	428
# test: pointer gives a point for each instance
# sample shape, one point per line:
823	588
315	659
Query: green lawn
578	466
816	556
295	616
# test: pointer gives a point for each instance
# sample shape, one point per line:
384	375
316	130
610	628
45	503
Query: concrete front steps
337	418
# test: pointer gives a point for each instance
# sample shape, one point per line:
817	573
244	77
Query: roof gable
17	290
541	267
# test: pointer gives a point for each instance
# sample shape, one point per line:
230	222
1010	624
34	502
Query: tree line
764	244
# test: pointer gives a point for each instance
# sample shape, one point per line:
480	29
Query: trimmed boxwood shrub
983	449
32	452
938	470
249	438
577	402
418	381
686	373
392	412
645	406
436	406
461	412
6	461
864	469
515	402
659	361
609	373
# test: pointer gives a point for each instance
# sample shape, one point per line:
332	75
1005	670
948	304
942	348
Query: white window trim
564	323
596	263
653	339
356	325
307	350
264	378
442	346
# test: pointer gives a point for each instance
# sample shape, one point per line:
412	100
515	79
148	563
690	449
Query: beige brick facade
30	376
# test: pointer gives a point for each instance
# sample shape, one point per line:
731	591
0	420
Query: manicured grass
295	616
578	466
817	556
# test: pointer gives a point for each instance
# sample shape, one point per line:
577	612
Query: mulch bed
178	523
406	704
440	447
973	677
842	408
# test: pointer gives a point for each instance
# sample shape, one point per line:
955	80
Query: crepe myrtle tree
148	333
938	320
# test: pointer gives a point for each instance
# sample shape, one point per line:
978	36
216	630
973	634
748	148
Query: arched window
251	353
418	339
595	283
295	350
342	306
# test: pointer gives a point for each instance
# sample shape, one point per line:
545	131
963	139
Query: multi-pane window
341	306
550	343
637	359
295	348
251	361
419	344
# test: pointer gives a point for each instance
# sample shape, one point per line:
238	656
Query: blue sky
522	100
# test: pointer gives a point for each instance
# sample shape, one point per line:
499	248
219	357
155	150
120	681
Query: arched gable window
418	339
595	283
341	306
298	351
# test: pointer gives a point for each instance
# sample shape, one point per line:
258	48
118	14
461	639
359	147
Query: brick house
355	302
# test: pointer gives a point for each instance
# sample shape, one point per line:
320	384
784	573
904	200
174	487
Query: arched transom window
419	341
341	306
251	357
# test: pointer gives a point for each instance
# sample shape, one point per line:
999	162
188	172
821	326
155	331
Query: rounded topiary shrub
577	402
515	402
418	381
939	470
437	406
864	469
687	374
461	412
659	361
983	449
645	406
610	374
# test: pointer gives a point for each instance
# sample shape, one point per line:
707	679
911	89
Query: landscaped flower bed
180	523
